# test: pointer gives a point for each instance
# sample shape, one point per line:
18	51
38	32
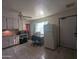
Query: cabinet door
11	41
3	23
20	24
5	42
15	23
10	23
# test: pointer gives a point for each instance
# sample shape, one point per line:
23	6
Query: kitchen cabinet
20	24
15	23
3	23
12	23
4	42
9	41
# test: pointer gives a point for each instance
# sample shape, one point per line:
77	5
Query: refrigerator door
48	28
49	36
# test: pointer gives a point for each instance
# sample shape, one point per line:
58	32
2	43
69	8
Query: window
40	27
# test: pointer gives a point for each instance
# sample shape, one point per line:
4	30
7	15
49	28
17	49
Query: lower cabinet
9	41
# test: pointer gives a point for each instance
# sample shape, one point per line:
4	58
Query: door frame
62	18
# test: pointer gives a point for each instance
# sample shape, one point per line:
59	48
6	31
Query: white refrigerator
50	35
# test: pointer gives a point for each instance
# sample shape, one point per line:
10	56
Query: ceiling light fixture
41	12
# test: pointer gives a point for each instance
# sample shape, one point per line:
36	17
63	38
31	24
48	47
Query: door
68	32
27	27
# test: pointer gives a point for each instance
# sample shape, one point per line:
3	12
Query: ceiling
36	8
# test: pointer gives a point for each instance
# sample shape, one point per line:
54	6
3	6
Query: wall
53	19
25	22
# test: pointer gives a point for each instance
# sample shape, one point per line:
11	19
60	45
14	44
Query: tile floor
26	51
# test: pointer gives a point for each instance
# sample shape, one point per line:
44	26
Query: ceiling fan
20	13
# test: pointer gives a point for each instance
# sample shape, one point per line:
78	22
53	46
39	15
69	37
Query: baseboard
50	49
10	46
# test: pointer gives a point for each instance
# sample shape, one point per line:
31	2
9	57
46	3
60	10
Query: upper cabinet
16	23
3	23
20	24
10	23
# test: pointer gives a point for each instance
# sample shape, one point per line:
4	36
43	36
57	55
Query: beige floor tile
26	51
